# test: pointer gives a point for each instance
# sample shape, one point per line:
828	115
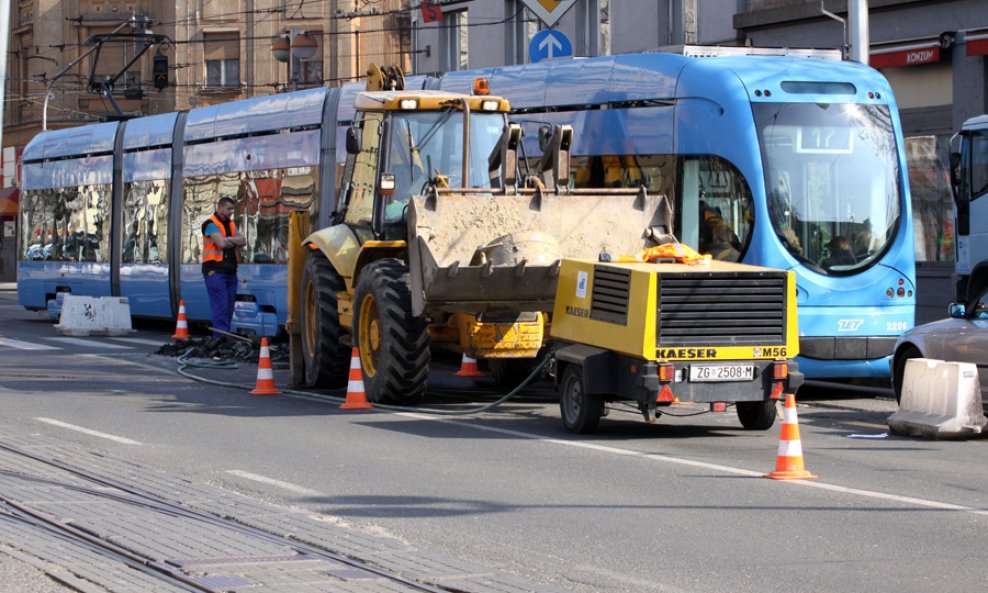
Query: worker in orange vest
219	262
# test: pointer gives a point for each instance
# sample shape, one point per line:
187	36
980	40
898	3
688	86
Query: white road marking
119	359
142	341
934	504
90	432
272	482
25	345
90	343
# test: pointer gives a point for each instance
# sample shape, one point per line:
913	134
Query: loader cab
404	143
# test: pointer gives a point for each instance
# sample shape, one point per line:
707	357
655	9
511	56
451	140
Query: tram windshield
832	181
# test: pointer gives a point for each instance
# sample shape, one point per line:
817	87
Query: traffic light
159	71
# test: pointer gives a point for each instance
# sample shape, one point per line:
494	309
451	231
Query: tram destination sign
549	11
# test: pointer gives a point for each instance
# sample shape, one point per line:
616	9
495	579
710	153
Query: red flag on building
430	12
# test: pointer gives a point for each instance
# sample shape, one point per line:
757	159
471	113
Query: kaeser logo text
849	325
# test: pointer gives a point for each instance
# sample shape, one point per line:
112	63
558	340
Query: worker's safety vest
215	259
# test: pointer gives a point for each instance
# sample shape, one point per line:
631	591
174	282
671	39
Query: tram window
201	195
145	230
714	207
67	224
265	200
264	206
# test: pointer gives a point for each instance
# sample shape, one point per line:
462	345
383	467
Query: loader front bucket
493	253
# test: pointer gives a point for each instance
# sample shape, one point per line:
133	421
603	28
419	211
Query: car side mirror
957	310
352	140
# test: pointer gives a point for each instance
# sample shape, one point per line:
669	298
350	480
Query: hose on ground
184	363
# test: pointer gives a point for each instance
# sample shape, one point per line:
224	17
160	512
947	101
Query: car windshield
832	181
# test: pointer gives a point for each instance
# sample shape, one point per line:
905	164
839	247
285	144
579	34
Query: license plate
712	373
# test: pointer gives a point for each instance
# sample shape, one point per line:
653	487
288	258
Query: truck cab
969	176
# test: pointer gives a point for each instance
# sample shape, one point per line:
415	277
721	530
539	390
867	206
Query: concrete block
85	315
939	400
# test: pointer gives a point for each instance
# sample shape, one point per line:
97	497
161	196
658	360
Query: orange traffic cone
182	327
789	464
265	378
468	368
356	399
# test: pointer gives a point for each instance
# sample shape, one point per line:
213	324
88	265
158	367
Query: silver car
961	338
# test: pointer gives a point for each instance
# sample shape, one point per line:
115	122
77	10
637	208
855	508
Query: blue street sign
549	43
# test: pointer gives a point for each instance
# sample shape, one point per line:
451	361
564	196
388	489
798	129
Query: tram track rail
13	510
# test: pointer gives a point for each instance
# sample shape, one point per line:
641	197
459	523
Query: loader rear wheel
757	415
580	411
326	355
394	345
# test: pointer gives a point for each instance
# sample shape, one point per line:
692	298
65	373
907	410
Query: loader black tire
757	415
325	348
394	345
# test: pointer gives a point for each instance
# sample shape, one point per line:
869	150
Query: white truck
969	176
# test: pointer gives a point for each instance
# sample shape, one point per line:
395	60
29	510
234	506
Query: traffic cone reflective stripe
265	377
356	398
468	368
182	325
789	462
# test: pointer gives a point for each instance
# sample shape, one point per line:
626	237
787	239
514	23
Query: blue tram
116	208
789	162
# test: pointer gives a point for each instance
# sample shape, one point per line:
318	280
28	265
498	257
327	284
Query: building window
222	59
310	72
454	41
114	54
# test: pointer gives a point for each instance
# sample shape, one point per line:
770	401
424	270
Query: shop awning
905	55
8	201
977	45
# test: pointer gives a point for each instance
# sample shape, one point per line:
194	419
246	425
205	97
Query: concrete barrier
85	315
939	400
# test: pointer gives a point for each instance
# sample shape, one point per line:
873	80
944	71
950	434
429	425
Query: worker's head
225	207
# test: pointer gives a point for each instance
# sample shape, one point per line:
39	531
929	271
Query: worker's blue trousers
222	289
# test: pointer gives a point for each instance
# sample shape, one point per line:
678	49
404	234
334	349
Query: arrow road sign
549	44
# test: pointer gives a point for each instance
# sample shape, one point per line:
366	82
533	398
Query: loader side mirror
352	140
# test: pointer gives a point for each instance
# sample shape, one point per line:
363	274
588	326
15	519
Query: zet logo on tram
849	325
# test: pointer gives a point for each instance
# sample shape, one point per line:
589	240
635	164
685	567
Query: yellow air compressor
658	333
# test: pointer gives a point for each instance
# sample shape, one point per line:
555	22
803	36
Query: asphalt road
675	506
